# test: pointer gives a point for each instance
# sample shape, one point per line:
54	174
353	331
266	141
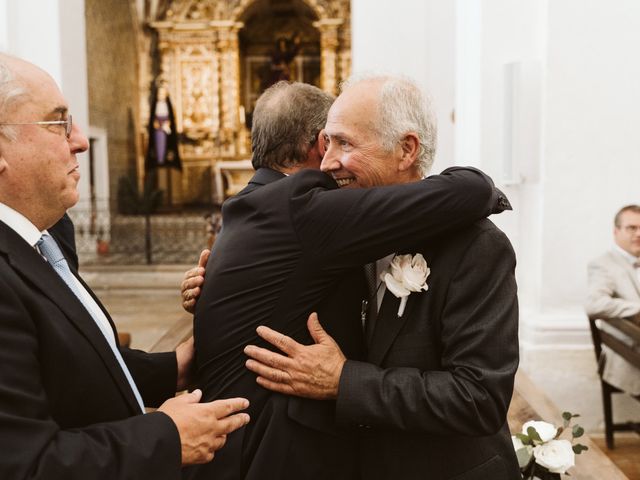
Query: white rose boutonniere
406	274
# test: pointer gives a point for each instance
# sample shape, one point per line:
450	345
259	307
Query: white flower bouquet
542	454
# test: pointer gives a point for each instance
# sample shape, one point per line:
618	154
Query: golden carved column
229	81
329	43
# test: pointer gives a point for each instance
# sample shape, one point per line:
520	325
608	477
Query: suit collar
388	324
264	176
19	224
30	265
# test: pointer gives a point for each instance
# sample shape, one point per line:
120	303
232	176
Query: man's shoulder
605	260
483	230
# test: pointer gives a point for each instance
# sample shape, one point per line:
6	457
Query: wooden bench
602	337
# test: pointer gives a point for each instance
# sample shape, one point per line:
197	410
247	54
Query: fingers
315	329
268	358
192	397
270	373
204	258
282	342
223	408
275	386
232	423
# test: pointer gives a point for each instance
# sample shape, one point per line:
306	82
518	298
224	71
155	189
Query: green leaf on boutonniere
533	434
523	438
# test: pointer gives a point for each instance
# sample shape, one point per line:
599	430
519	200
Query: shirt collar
20	224
626	255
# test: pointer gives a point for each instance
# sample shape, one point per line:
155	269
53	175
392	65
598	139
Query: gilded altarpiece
200	66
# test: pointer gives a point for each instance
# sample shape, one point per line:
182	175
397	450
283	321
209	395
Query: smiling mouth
343	182
75	169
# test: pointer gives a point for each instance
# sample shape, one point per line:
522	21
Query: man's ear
410	149
321	143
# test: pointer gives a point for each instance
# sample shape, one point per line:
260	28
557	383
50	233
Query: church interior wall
112	60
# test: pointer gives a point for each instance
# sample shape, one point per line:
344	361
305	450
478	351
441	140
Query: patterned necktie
50	250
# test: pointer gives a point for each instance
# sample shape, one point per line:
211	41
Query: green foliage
579	448
533	434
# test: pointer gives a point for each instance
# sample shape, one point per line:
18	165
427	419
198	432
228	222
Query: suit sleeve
155	374
470	393
602	300
348	227
35	447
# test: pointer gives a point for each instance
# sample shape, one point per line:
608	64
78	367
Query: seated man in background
614	292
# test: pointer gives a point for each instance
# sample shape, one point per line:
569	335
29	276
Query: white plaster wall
415	38
592	163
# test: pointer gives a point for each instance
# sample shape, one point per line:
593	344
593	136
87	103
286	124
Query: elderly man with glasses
71	400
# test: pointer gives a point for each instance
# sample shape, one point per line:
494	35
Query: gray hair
11	91
286	123
403	108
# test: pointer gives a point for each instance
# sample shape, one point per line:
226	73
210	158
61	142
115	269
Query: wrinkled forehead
354	109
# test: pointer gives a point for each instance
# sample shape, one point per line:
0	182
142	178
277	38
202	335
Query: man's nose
330	161
77	140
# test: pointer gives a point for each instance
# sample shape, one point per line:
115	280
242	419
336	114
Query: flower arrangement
542	454
406	274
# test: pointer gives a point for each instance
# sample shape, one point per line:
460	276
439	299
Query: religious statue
163	139
283	54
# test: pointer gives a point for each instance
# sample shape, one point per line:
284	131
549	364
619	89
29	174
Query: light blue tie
50	250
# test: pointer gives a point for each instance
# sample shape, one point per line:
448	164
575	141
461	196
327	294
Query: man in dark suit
432	396
286	243
71	401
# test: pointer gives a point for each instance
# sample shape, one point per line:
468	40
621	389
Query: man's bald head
401	108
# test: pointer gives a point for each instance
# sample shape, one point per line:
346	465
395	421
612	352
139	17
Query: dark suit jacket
66	409
284	246
432	399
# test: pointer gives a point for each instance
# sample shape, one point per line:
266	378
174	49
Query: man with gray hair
431	399
71	399
293	242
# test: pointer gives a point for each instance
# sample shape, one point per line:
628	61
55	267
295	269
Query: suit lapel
388	325
28	263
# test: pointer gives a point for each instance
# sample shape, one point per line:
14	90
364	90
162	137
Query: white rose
406	274
544	429
556	455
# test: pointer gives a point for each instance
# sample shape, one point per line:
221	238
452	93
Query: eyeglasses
68	124
631	228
